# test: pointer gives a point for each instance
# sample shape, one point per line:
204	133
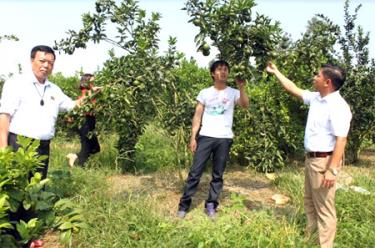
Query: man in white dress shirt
30	104
327	127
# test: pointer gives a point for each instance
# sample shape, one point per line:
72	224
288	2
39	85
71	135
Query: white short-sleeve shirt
217	117
21	99
329	117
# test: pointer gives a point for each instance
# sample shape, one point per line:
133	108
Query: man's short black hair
335	73
42	48
86	77
85	81
218	63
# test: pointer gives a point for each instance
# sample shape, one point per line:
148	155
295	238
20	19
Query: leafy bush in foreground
26	208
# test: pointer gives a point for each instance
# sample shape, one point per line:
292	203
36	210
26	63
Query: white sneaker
71	159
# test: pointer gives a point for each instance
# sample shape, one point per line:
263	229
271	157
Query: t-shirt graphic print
218	111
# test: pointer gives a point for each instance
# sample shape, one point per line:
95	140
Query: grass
125	210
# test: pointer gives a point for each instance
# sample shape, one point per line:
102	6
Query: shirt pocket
52	106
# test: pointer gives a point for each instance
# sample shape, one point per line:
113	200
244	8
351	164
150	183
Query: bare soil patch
164	190
52	240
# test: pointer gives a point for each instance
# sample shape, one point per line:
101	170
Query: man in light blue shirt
327	128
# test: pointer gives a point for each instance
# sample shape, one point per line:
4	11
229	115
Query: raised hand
271	68
240	83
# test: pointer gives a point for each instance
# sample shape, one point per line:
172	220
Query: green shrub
69	85
359	88
154	150
266	134
19	193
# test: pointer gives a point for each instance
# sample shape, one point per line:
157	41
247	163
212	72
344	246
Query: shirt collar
328	97
34	80
332	96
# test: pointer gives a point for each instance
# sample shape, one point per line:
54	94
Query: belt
318	154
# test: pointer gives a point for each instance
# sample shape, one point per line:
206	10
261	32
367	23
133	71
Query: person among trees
327	127
212	135
89	141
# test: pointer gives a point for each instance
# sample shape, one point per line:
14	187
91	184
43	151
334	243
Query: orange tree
230	26
131	81
359	88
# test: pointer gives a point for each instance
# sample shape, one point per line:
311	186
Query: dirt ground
164	189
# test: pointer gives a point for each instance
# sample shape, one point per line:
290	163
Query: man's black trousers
218	149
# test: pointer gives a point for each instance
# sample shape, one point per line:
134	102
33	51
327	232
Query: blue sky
43	21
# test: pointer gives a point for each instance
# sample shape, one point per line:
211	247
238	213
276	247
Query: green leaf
3	200
32	223
2	183
66	236
16	194
74	212
76	218
63	204
81	225
23	230
43	205
26	204
65	226
6	225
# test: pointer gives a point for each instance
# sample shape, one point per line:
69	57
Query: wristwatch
334	171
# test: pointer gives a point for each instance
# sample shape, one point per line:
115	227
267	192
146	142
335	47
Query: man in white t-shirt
213	120
327	127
